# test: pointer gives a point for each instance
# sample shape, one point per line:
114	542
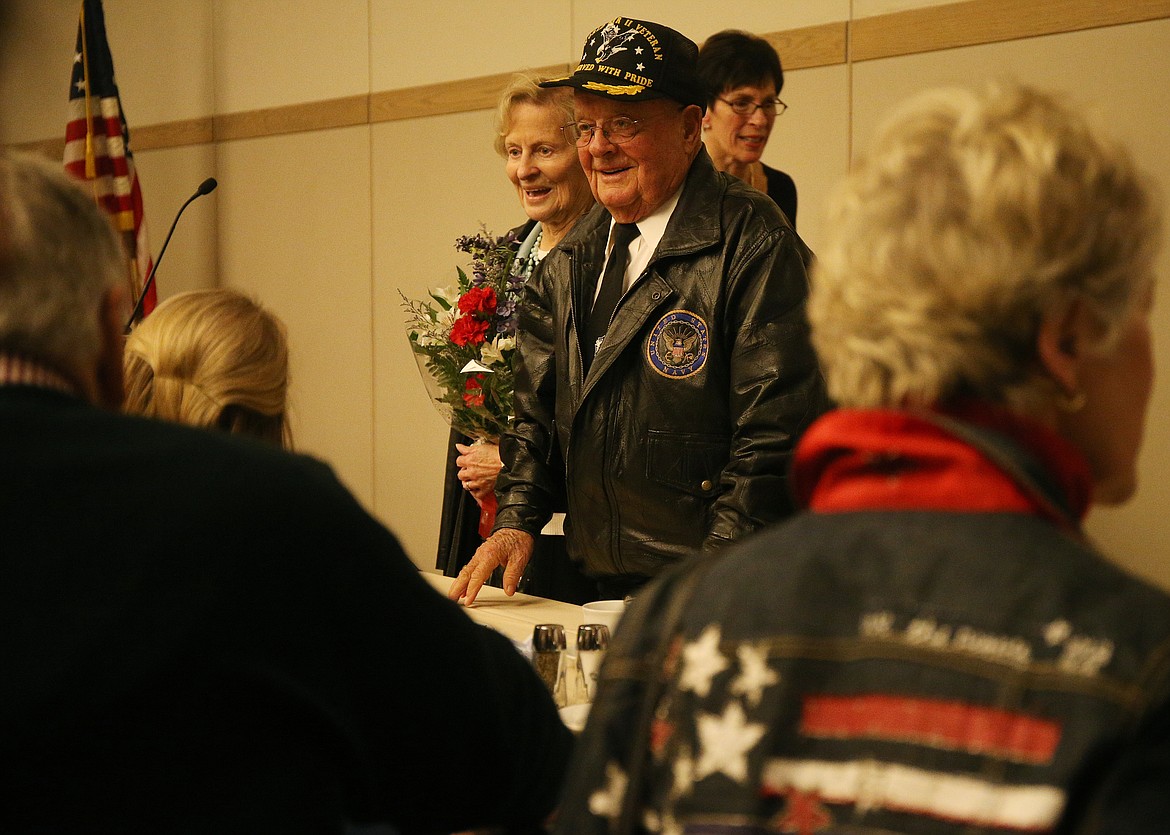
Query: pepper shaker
548	651
592	642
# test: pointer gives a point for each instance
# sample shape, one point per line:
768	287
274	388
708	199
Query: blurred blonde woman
211	358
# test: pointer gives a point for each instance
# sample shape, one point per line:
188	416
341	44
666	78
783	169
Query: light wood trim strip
989	21
811	46
48	148
173	134
448	97
145	138
274	121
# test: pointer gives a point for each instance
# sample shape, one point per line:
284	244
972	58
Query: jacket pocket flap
686	461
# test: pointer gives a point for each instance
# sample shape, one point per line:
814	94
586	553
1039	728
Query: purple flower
506	326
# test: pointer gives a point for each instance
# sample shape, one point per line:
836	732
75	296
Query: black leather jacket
680	436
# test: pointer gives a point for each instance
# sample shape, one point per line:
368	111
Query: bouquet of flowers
463	340
464	337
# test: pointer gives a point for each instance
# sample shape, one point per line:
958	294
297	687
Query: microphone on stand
205	187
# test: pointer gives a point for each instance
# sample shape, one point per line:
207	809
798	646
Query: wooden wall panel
448	97
275	121
811	46
988	21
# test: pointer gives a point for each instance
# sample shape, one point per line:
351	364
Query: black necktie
612	286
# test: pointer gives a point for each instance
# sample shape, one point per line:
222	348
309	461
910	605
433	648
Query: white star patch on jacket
724	743
607	802
755	675
683	772
702	661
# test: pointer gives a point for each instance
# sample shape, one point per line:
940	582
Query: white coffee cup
608	612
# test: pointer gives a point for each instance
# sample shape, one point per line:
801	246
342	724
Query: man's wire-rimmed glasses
617	130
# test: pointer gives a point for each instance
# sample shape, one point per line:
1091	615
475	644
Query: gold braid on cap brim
614	89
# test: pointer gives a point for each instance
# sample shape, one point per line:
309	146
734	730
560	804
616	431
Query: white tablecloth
516	615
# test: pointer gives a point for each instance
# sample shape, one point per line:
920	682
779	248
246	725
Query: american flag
97	144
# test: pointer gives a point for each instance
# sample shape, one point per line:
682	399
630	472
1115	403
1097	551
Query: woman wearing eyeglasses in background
743	79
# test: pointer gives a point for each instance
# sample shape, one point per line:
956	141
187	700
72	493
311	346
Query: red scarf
899	460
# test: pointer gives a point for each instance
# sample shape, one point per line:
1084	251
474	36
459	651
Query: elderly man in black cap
664	354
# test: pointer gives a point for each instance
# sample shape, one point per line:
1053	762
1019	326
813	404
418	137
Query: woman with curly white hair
933	645
991	256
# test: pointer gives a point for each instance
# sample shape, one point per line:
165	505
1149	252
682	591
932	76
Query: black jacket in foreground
200	634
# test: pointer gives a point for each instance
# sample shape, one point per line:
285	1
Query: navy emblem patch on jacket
678	345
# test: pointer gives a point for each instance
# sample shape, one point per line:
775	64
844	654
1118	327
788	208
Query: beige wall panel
434	179
1120	78
294	231
168	177
162	60
38	59
277	52
697	20
162	57
162	63
412	44
810	141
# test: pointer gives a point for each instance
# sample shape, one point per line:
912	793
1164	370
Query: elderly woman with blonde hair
543	167
992	263
211	358
933	645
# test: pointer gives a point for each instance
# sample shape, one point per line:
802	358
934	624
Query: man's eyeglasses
747	107
617	130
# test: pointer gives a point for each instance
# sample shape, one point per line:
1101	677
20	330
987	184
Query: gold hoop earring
1071	403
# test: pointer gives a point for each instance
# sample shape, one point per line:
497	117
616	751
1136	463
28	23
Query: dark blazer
782	190
204	634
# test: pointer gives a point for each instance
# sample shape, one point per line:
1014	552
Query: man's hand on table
507	547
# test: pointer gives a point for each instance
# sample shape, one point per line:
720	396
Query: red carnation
478	300
469	331
473	391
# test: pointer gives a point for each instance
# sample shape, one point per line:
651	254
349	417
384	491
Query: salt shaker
592	642
548	651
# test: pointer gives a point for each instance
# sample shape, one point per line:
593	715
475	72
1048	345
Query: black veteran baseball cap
635	60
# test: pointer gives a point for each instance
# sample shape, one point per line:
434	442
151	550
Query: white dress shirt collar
650	231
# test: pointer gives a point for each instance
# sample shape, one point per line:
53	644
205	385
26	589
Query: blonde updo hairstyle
524	89
211	358
973	216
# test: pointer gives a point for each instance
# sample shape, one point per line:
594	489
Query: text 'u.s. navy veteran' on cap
635	60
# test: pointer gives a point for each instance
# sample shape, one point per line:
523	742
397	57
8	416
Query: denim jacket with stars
911	671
